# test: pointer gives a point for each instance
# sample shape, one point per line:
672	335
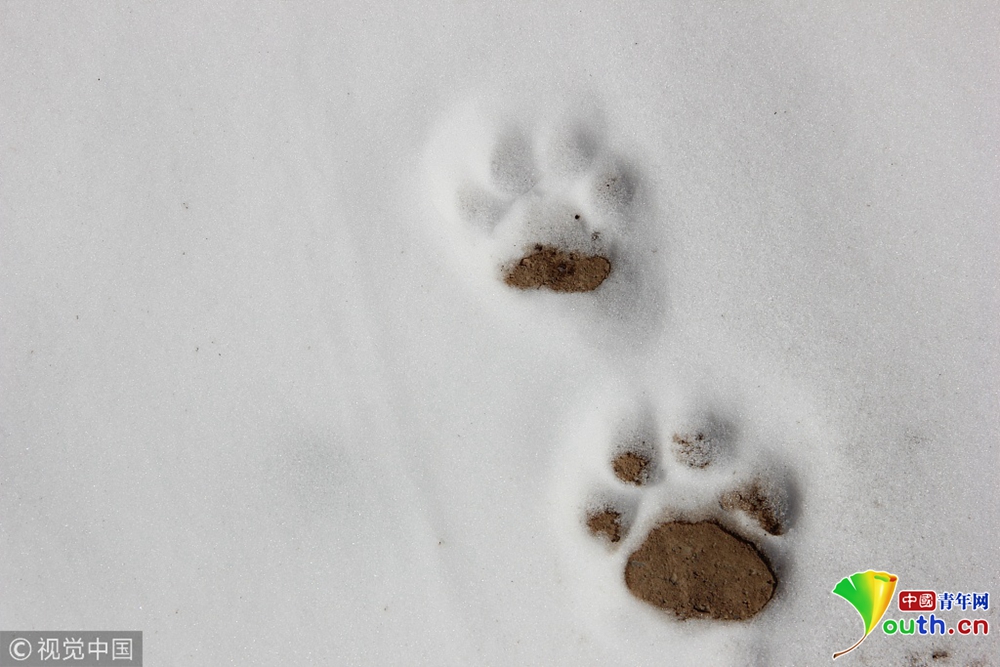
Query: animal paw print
542	204
697	541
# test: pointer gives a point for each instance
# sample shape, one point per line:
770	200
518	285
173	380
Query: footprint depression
558	270
700	570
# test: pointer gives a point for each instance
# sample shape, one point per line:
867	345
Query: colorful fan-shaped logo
869	593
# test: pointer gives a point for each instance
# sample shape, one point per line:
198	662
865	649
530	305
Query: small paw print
542	203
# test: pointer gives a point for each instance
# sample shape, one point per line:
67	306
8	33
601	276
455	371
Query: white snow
265	398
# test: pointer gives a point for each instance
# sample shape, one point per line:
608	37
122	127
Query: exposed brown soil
693	449
700	570
758	503
606	522
631	468
558	270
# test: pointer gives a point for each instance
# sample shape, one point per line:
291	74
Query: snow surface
264	398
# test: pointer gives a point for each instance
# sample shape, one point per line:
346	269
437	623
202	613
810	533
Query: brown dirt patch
755	500
606	522
558	270
631	468
700	570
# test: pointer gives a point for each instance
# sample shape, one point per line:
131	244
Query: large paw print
699	525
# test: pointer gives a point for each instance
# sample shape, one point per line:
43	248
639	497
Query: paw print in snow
542	205
699	561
